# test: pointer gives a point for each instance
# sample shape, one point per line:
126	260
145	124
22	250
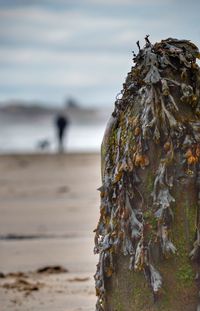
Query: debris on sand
23	282
23	285
2	275
52	270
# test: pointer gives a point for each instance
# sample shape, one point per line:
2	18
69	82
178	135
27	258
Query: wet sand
48	209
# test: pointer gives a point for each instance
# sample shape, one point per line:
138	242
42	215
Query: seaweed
147	113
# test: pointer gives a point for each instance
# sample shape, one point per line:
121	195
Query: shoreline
46	154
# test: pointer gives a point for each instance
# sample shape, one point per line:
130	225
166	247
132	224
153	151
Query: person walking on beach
62	123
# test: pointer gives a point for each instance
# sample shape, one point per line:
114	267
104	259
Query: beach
48	210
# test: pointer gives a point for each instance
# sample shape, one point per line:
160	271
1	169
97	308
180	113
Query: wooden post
148	237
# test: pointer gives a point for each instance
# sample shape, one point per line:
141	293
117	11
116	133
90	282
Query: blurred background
69	58
74	55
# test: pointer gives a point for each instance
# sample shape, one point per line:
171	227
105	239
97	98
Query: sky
51	50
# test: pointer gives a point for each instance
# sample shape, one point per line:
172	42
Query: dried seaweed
147	113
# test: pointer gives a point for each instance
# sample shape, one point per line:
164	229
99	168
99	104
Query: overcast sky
53	49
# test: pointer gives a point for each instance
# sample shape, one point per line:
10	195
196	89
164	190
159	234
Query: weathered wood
128	290
148	235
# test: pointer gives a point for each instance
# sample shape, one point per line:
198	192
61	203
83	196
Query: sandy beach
48	209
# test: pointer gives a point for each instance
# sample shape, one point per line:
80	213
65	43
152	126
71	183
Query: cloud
73	29
29	56
59	79
81	47
66	30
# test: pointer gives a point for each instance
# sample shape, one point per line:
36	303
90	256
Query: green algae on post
150	149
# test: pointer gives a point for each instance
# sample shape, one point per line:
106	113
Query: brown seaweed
146	113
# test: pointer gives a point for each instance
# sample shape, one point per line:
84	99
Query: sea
40	136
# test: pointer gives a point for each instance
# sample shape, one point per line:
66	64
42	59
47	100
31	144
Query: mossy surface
149	182
129	290
150	156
